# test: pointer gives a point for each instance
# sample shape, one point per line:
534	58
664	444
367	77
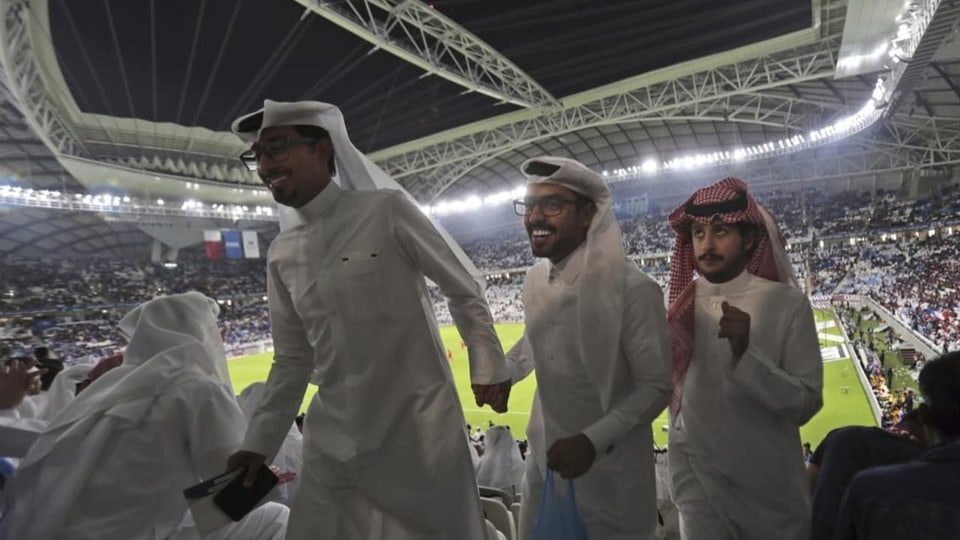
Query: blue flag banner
233	244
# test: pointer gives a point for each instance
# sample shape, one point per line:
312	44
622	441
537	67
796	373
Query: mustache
710	257
273	172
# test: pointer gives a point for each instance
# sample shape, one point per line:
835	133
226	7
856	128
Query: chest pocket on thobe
359	283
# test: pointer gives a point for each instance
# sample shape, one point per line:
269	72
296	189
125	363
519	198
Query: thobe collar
568	269
321	204
735	285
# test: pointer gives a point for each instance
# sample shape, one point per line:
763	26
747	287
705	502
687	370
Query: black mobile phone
237	501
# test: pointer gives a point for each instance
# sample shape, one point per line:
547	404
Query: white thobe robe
617	496
502	465
384	452
31	405
290	456
62	391
18	434
734	455
134	488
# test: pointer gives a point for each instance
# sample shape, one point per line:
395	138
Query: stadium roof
450	97
204	63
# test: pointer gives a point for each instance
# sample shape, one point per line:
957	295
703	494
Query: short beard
281	196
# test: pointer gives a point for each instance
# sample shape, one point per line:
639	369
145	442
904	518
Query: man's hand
16	382
735	327
283	477
249	460
495	395
572	457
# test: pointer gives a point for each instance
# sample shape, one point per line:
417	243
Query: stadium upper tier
910	274
73	285
804	216
911	277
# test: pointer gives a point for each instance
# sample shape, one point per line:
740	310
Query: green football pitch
845	402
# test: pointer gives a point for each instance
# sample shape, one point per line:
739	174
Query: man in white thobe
18	432
747	372
383	445
114	462
62	391
501	465
596	331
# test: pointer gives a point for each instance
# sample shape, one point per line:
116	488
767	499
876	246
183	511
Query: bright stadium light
474	202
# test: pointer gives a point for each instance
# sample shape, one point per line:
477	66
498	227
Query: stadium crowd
916	281
86	336
52	285
909	276
802	215
73	307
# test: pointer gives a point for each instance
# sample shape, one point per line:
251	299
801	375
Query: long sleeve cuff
604	433
265	437
776	389
487	366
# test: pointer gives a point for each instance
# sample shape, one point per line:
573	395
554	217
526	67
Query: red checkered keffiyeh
727	201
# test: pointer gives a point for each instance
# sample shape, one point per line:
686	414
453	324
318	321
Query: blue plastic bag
558	518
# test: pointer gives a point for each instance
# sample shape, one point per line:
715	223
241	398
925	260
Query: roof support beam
947	78
724	87
22	82
415	32
937	21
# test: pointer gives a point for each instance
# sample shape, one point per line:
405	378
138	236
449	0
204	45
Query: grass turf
902	376
841	408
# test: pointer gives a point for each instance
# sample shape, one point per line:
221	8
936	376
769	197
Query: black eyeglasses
276	150
549	206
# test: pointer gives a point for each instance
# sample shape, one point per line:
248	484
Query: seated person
115	462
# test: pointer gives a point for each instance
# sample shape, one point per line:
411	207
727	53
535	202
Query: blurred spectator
918	499
502	464
848	450
16	380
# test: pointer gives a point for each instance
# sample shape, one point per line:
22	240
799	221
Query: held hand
495	395
571	457
283	477
251	461
735	327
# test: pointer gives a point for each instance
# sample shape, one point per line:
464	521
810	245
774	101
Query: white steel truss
758	90
415	32
871	158
901	143
720	90
189	166
939	20
934	139
23	83
440	163
860	156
